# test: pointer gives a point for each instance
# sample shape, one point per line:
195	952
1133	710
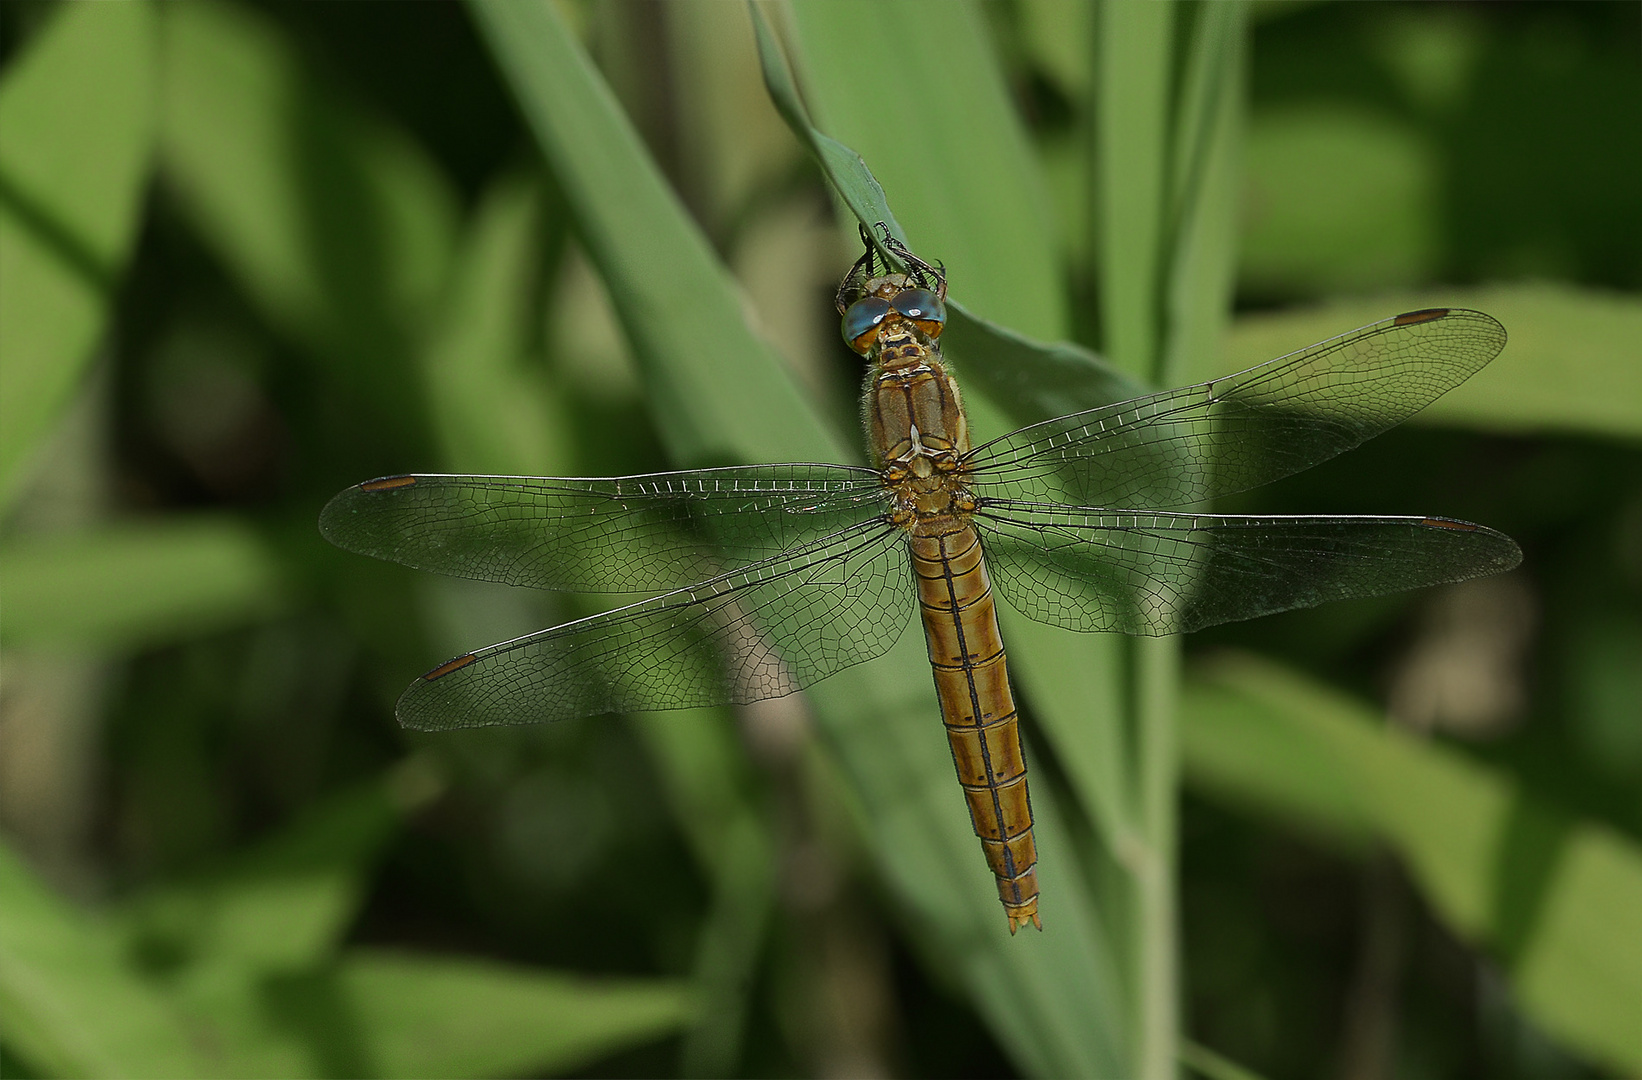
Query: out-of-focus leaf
426	1016
380	1013
1060	36
705	776
1579	970
1605	685
1236	753
136	583
76	134
731	942
336	224
389	1014
68	1001
1558	900
1205	199
284	904
493	413
1146	209
1210	1065
1337	199
1573	362
246	954
718	394
1132	186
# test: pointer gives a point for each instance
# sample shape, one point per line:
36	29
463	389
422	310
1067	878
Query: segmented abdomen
972	681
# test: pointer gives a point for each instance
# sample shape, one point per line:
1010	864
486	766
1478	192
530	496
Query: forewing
1184	446
622	534
760	632
1152	574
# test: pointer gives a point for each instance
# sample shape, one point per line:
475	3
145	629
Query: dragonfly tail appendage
978	709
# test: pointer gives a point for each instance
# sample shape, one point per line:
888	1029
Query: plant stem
1131	115
1156	663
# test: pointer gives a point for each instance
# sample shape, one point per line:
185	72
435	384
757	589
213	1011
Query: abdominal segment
972	681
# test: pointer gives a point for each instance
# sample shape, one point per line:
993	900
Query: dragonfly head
891	298
867	300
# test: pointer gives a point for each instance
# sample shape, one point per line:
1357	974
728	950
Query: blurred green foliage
252	254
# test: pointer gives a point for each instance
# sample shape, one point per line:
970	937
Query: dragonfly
769	578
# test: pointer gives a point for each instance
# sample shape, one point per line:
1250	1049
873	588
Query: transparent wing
1153	574
760	632
1184	446
622	534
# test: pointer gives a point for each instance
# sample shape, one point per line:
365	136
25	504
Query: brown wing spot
1430	314
387	483
1448	523
449	666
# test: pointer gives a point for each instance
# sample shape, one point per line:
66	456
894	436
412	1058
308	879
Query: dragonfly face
773	577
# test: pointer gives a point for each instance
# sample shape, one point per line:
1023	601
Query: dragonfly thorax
916	424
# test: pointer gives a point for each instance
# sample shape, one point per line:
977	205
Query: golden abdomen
918	434
977	706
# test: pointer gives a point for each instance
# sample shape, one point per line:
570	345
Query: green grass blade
493	412
1135	257
718	394
1210	1065
138	584
253	951
707	782
1027	380
335	224
1200	247
77	119
732	942
69	1003
286	903
1132	179
963	176
1206	189
850	177
432	1016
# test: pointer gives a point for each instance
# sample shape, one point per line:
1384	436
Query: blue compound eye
923	308
920	305
861	322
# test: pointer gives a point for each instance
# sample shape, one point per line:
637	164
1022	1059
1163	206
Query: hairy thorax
917	429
